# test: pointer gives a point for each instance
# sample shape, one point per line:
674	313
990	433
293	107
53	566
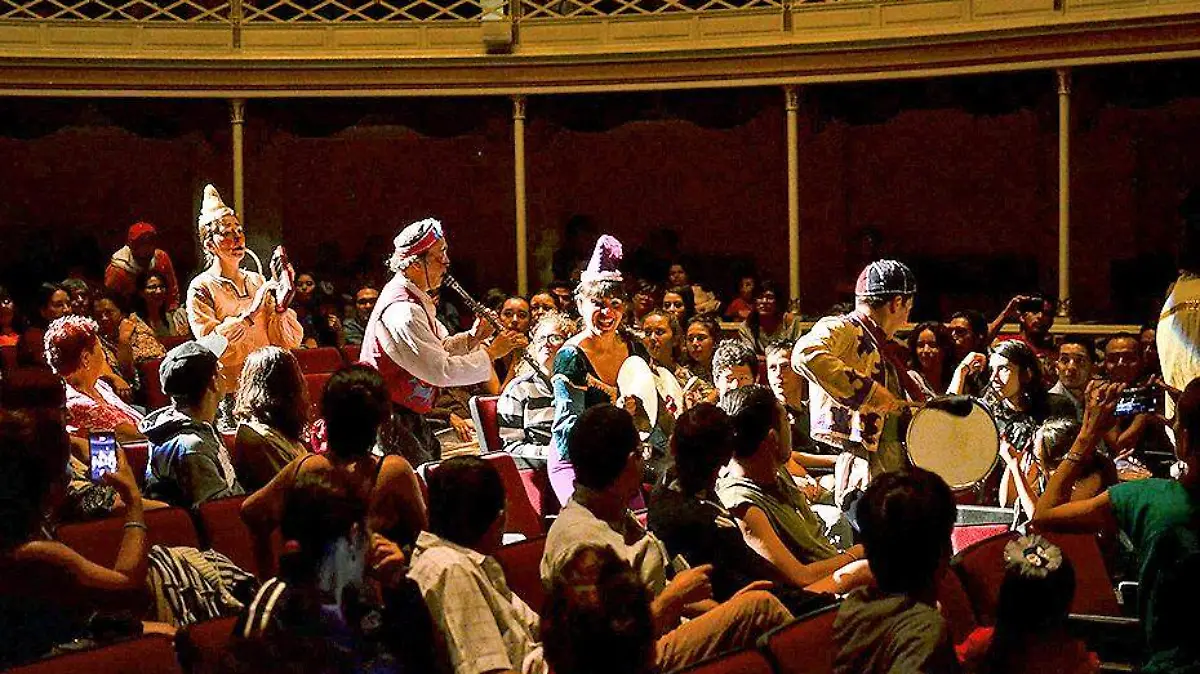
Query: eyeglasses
554	340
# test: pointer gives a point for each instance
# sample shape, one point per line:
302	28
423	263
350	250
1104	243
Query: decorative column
792	100
237	119
1064	194
519	180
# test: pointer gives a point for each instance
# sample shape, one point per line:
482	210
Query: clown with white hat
232	302
413	351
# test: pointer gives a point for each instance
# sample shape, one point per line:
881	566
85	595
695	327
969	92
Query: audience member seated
53	303
608	475
364	304
10	321
770	321
304	302
127	335
1016	397
1139	441
1075	364
598	618
139	256
687	516
525	410
931	356
647	297
73	352
272	410
775	516
153	304
734	365
969	331
484	626
1148	336
355	403
1035	315
325	327
514	315
743	302
43	395
705	302
451	420
564	295
540	304
895	626
680	303
1158	516
188	462
1051	444
791	390
701	338
1031	617
320	614
81	293
663	339
49	592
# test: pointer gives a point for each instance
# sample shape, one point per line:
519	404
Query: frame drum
961	449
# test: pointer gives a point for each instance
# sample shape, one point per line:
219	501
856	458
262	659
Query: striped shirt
526	413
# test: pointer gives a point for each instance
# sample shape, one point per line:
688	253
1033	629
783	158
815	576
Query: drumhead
962	450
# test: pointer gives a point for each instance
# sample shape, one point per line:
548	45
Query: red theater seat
202	646
173	341
150	654
980	567
8	358
316	386
151	385
224	531
522	569
487	424
523	518
99	540
537	487
804	646
742	662
350	352
138	455
323	359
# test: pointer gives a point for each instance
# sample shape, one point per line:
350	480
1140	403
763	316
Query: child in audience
320	614
597	617
906	519
1031	615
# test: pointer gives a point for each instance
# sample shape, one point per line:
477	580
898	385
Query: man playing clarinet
414	352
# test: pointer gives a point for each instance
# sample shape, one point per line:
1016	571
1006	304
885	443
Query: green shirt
1159	517
787	508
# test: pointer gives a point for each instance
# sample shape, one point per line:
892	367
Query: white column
1064	194
792	100
237	118
519	181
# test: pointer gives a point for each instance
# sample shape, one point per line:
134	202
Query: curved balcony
250	48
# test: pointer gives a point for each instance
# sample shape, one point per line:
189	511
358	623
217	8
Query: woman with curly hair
271	406
931	355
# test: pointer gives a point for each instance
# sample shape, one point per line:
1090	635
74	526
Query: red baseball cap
140	230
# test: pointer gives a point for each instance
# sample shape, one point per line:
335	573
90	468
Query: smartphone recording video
103	447
1140	400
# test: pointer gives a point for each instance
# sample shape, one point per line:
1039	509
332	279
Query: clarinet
490	316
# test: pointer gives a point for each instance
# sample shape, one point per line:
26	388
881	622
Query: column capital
791	97
1063	77
237	111
519	101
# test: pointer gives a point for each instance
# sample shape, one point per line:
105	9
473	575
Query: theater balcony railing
251	48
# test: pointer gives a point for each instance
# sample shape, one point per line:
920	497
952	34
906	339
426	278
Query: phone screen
103	446
1140	400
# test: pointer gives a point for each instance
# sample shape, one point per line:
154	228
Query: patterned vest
407	390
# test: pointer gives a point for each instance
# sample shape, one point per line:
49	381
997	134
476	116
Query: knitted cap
885	278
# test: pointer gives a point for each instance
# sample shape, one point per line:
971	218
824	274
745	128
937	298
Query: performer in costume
860	376
240	305
413	351
586	367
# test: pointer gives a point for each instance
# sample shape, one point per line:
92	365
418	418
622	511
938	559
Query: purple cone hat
605	264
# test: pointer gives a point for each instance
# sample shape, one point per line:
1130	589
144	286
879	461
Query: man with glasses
364	303
526	407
